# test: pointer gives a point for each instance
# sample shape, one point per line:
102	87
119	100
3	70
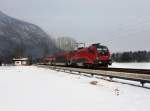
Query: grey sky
122	25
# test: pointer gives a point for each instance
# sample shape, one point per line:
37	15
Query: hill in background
19	38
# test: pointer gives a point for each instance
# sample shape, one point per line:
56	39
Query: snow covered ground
131	65
28	88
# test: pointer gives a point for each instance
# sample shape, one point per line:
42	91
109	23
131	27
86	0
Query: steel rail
130	70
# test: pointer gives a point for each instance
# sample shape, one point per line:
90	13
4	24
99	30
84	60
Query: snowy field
28	88
131	65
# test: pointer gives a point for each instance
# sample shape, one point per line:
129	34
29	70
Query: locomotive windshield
102	50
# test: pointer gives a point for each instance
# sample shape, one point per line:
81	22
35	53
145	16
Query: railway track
139	75
128	70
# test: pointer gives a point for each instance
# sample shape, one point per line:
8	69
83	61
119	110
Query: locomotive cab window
102	50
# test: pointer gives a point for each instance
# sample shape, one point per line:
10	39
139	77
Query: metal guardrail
142	78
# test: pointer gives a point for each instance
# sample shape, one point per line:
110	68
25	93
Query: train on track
96	55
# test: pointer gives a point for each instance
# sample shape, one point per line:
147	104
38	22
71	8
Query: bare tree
66	43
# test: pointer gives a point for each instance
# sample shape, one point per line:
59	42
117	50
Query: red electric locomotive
93	56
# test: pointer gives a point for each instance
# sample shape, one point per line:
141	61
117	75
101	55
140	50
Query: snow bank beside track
28	88
131	65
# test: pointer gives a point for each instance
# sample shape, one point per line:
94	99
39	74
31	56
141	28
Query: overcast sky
122	25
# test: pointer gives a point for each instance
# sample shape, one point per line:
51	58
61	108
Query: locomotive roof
98	45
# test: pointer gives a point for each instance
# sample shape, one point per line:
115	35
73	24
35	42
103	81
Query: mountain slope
22	38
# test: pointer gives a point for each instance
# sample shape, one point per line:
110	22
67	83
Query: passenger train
96	55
